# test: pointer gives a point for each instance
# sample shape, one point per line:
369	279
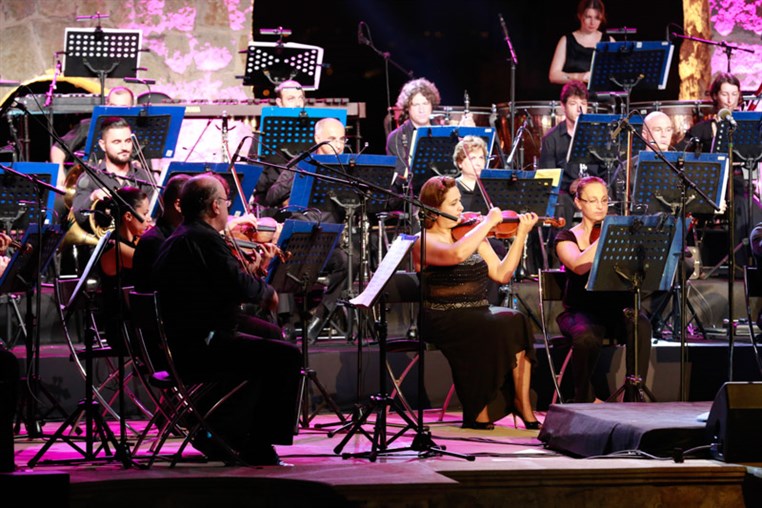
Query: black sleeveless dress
480	342
578	57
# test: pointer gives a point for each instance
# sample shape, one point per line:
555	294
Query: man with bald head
201	287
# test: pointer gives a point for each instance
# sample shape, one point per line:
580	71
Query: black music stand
432	148
95	424
636	253
20	276
102	53
18	196
656	188
381	402
592	143
630	64
310	245
290	131
156	128
271	63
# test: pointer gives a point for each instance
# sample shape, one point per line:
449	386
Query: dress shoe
533	425
314	328
262	455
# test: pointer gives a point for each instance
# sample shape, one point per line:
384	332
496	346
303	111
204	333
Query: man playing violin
147	250
201	287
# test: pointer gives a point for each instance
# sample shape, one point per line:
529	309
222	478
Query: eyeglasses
604	201
227	201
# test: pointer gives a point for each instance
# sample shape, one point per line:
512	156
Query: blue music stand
22	270
248	174
309	192
156	127
619	248
14	190
627	64
432	149
591	141
521	191
289	131
656	188
747	138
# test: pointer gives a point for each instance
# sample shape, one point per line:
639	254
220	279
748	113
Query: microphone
503	25
353	159
726	115
696	142
296	160
224	122
529	119
361	39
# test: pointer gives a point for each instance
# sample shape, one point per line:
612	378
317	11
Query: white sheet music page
397	251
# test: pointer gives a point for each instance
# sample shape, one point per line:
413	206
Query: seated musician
116	170
591	316
332	131
288	94
555	147
201	287
116	260
489	349
725	92
5	242
148	248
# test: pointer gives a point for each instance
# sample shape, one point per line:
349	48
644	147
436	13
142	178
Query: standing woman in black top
574	51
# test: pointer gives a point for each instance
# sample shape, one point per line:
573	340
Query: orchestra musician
725	92
591	316
574	51
116	260
332	132
147	250
116	170
5	242
489	349
201	287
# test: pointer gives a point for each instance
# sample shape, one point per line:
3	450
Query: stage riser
337	371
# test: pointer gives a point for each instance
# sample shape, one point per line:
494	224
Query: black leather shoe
314	328
262	455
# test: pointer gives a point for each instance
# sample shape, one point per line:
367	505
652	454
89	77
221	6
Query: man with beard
116	170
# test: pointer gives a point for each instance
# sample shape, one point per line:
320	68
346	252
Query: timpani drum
544	114
684	114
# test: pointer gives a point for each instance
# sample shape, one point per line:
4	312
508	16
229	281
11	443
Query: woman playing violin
589	316
489	349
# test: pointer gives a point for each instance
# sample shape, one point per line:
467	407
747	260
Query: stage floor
510	466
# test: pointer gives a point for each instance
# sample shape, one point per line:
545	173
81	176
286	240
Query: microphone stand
679	212
727	48
514	63
122	449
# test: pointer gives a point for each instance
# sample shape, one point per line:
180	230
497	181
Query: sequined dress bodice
459	286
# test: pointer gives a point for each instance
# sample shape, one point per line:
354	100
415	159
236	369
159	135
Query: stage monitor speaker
734	425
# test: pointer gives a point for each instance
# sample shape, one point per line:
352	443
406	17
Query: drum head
684	114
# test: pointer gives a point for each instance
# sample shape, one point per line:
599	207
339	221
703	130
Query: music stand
248	174
270	63
630	64
657	189
747	138
432	148
102	53
309	246
591	142
636	253
290	131
18	196
156	128
381	402
95	424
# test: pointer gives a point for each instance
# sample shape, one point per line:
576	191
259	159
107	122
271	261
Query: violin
595	233
254	247
506	229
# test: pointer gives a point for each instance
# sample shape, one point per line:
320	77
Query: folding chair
178	405
551	289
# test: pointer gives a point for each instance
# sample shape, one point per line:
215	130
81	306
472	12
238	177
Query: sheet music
397	251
